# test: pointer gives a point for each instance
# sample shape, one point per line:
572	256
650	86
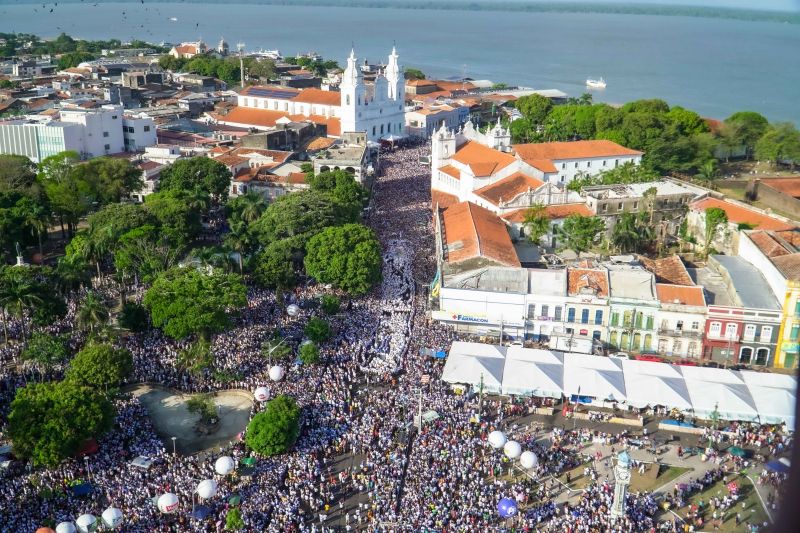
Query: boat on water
599	83
174	19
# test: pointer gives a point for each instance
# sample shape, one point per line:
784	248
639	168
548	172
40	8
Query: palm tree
71	274
239	240
708	171
626	235
37	219
198	200
17	295
93	312
251	205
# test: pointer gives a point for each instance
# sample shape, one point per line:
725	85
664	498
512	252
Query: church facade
377	109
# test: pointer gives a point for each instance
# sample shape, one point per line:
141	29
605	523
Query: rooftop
589	282
669	270
635	190
548	282
741	215
509	188
343	154
680	294
492	279
788	186
632	282
751	289
572	150
482	160
471	231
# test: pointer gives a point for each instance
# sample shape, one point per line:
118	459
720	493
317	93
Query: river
712	65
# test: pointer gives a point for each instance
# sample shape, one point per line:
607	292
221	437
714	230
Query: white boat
596	84
174	19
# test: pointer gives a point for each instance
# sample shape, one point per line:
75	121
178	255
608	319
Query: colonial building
634	306
377	109
680	320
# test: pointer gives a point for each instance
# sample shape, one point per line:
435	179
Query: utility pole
240	46
419	412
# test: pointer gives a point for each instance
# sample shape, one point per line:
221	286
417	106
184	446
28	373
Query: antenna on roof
240	48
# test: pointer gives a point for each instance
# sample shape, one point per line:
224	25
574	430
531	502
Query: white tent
462	368
775	405
713	375
477	349
768	379
649	383
732	401
590	375
533	372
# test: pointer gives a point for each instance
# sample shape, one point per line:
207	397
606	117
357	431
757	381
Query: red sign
584	332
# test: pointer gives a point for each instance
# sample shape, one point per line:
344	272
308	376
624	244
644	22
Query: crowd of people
364	458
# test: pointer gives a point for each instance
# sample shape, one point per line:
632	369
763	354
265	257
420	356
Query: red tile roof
482	160
571	150
668	270
768	244
443	199
564	210
318	96
471	231
741	215
320	143
277	155
509	187
451	171
267	118
788	186
587	281
680	294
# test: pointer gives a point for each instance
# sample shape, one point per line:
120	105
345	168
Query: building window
749	332
614	318
107	147
635	205
679	325
113	117
714	329
588	164
650	321
616	162
105	134
731	330
795	332
545	310
147	128
695	326
531	310
619	206
604	162
762	355
558	313
766	334
745	355
627	319
598	316
563	166
584	316
639	321
596	335
576	164
571	314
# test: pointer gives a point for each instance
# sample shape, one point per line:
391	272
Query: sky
773	5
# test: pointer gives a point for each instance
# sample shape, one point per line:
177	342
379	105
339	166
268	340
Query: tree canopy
100	365
49	422
274	430
318	330
185	301
780	143
349	257
196	173
274	265
580	233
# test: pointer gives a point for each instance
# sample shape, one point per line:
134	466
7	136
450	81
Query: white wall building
102	129
38	141
138	131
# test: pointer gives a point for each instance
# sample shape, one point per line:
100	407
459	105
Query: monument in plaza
622	477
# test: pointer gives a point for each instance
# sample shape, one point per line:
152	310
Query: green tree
709	171
309	353
274	430
73	59
780	143
745	128
413	74
330	304
110	179
276	348
185	301
48	422
18	294
179	222
203	406
240	240
71	274
233	519
630	233
534	108
100	365
274	266
536	223
247	207
113	220
17	174
263	69
69	197
688	122
146	253
349	257
318	330
716	219
580	233
204	173
133	317
45	350
92	313
197	357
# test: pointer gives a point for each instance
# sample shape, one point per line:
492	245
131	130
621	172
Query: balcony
683	333
723	337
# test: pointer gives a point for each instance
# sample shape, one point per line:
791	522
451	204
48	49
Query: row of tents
763	397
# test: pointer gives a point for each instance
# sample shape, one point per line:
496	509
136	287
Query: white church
378	108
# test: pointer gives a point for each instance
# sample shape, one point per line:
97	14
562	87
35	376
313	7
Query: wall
777	200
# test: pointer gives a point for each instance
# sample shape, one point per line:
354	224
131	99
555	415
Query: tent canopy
469	369
590	375
774	405
731	401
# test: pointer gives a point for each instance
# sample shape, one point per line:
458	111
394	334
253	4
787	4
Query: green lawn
667	473
752	512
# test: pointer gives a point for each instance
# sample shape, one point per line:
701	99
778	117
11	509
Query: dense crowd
359	460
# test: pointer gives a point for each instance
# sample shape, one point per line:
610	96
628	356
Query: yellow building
788	345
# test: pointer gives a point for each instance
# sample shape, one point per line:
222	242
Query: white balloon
86	523
512	449
497	439
292	310
528	460
66	527
207	488
224	465
261	394
276	373
168	503
112	517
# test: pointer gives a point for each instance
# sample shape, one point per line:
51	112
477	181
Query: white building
377	109
37	141
424	120
138	131
102	129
